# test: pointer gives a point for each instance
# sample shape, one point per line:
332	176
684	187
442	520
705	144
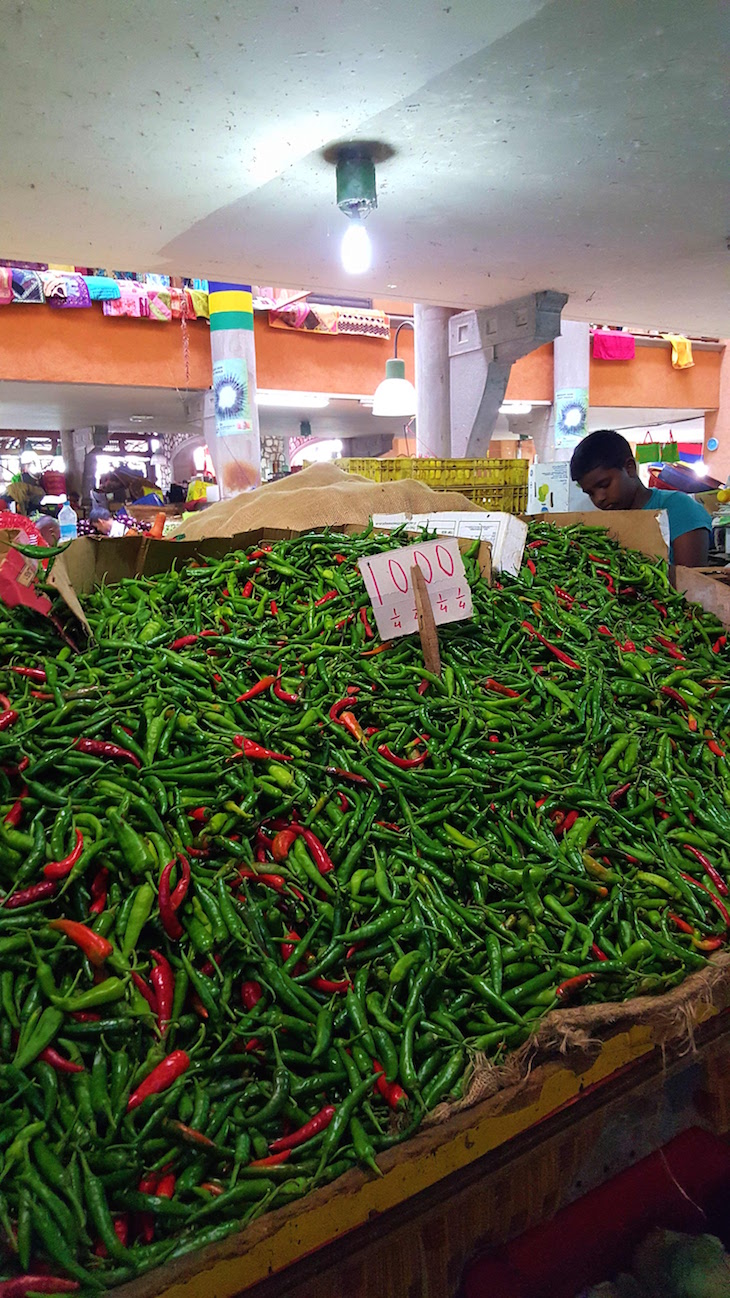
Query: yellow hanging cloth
681	351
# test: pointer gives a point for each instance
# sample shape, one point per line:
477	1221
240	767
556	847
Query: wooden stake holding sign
426	624
417	588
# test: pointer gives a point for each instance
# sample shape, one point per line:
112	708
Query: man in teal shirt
605	469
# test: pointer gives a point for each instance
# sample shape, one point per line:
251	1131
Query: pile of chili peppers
267	885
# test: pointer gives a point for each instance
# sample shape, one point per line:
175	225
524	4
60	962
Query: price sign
389	584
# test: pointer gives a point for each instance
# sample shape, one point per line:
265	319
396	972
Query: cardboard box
285	1236
505	533
551	490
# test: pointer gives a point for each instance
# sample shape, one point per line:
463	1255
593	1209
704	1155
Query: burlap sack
317	497
575	1035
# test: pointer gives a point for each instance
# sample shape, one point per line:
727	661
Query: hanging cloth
681	351
27	286
6	286
611	346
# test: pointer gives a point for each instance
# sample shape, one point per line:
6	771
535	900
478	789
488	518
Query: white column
233	433
571	377
433	389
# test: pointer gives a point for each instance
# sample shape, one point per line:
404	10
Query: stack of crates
492	484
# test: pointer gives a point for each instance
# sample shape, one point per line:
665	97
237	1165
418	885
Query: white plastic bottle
68	522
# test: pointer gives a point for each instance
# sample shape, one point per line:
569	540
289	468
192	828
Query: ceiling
578	145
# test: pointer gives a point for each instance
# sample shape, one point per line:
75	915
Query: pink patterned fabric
133	301
610	346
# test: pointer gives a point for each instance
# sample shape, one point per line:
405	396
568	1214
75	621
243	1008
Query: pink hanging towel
610	346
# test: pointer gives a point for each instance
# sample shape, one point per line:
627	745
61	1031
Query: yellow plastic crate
496	497
446	475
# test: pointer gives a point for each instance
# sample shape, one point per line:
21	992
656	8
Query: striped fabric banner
231	306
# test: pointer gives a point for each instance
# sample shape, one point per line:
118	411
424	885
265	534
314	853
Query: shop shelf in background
448	475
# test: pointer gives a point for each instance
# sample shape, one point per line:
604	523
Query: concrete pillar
717	424
74	445
571	371
231	418
433	384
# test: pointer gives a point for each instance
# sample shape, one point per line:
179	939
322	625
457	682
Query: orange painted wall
650	381
38	344
46	346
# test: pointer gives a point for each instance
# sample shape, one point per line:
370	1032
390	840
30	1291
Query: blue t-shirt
685	514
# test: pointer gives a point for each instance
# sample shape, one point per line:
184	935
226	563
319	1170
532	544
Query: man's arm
692	548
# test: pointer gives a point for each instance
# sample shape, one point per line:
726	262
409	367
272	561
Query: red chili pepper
352	725
707	943
598	953
253	1046
92	944
282	844
8	718
671	648
285	695
347	775
339	706
535	545
190	1135
99	889
561	657
255	752
26	896
681	924
566	596
163	982
184	642
660	608
496	688
4	701
59	1062
692	723
379	649
338	988
344	621
169	901
274	608
715	900
423	687
15	814
199	815
161	1077
60	869
531	567
343	801
166	1186
369	633
85	1016
617	794
571	985
273	1160
22	1285
247	590
340	558
392	1093
275	881
675	694
22	765
259	688
102	748
719	644
600	563
251	993
603	630
288	945
403	763
144	990
36	674
317	851
331	594
212	1187
708	867
715	748
313	1127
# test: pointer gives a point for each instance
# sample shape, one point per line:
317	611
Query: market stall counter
355	926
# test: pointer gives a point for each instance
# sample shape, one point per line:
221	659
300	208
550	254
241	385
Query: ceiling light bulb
356	250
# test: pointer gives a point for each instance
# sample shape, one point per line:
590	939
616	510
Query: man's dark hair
605	449
97	514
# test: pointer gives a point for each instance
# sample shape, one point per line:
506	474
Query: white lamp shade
395	396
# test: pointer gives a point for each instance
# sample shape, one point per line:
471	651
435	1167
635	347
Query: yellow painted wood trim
318	1220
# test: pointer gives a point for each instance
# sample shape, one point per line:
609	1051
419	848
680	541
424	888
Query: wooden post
426	625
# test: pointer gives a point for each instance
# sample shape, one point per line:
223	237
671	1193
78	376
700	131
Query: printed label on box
388	582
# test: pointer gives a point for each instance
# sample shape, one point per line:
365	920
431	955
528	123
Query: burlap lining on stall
573	1035
321	496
